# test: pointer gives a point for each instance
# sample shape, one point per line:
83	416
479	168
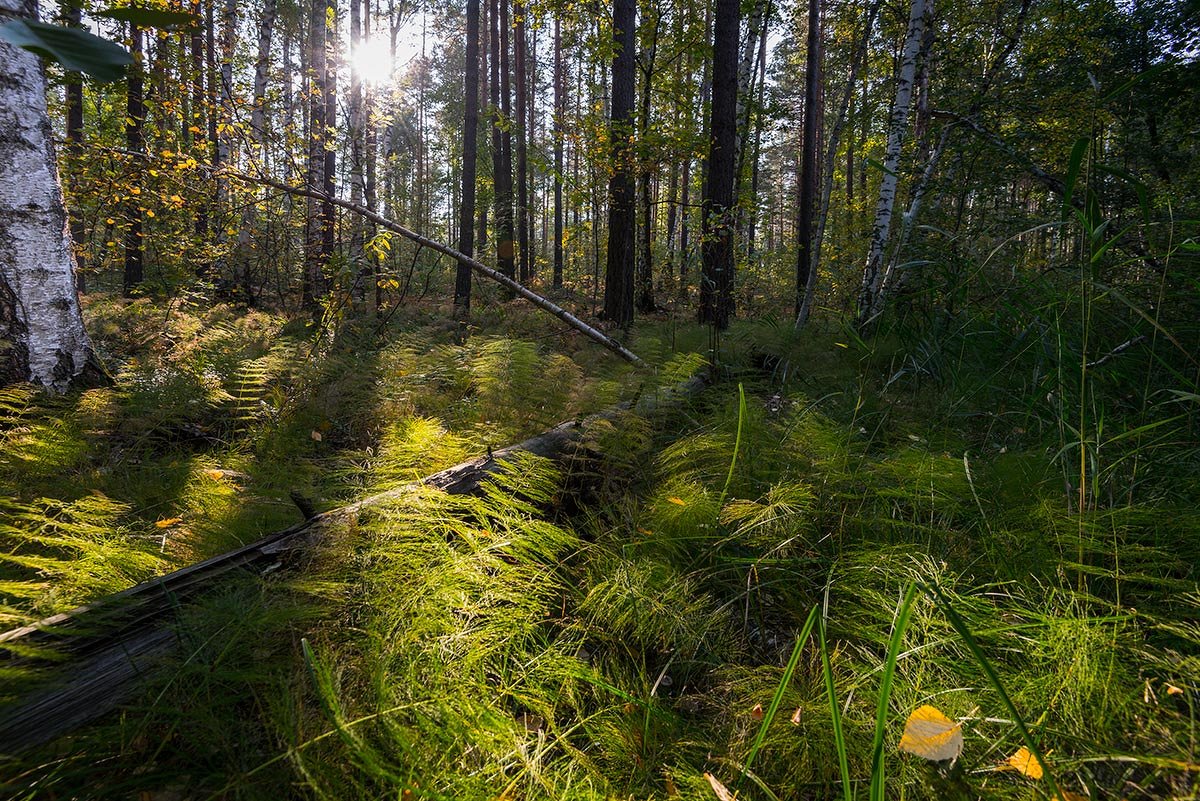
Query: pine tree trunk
501	141
42	338
719	210
618	276
806	271
258	138
314	257
466	212
522	131
560	109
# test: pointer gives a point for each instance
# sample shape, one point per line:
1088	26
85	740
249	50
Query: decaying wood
476	265
101	650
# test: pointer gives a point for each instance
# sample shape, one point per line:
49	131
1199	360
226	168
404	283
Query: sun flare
372	60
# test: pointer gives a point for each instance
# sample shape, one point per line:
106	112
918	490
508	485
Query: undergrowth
618	626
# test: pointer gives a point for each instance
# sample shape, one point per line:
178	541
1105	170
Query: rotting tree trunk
870	299
42	338
109	646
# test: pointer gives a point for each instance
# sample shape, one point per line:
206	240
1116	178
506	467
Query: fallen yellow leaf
757	712
721	790
168	522
677	501
1024	763
931	735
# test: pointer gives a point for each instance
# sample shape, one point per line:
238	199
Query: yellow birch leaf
677	501
168	522
931	735
1025	763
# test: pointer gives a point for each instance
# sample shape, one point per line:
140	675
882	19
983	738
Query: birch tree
870	299
42	338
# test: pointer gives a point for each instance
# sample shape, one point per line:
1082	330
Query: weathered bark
73	17
329	168
106	649
719	208
466	212
618	275
42	338
870	298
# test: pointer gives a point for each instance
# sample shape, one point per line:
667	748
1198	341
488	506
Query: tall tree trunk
870	296
314	255
42	338
329	169
645	265
74	112
719	209
196	128
560	109
501	142
522	131
756	154
135	119
826	185
466	212
357	134
258	138
809	177
618	276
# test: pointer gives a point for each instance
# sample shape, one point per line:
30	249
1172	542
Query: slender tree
135	121
809	175
521	128
560	109
870	294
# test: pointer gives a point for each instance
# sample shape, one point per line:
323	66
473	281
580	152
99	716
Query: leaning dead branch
476	265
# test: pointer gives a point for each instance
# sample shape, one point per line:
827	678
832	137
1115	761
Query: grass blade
885	692
784	681
835	713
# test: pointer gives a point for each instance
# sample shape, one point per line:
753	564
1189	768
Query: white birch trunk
41	329
871	295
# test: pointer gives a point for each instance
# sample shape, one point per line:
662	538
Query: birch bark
42	338
871	295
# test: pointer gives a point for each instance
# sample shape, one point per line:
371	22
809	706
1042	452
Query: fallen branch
478	266
100	651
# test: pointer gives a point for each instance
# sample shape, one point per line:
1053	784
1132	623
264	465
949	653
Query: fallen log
100	651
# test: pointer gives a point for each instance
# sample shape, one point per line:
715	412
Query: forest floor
638	627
